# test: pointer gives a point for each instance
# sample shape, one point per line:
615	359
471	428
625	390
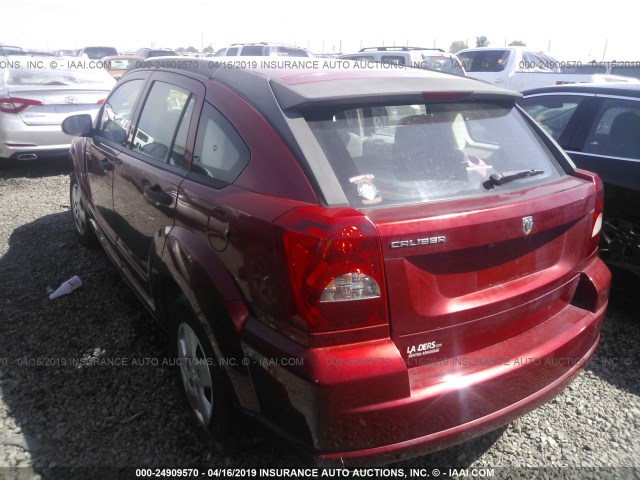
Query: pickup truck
518	68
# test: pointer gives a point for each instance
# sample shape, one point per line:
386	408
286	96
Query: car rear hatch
50	107
44	92
483	223
468	275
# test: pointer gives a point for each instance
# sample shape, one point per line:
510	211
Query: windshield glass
96	53
403	154
122	63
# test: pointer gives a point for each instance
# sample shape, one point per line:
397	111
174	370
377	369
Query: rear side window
403	154
627	70
484	60
96	53
552	112
291	52
441	63
393	59
616	130
251	51
220	155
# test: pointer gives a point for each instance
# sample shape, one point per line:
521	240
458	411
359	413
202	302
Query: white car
519	68
35	98
417	57
263	49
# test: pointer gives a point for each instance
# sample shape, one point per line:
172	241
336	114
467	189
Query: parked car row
34	101
97	53
417	57
519	68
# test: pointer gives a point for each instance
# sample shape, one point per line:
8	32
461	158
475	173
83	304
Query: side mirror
78	125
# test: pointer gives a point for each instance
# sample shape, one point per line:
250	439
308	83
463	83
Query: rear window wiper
497	179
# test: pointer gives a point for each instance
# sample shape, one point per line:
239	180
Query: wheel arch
185	265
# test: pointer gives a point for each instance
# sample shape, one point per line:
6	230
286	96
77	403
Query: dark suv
599	127
374	263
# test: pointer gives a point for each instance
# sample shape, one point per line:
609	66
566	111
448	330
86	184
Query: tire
204	385
620	242
82	226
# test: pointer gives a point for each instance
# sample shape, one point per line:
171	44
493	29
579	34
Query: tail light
596	225
335	269
16	105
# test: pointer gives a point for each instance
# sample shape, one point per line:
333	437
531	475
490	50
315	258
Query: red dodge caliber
374	263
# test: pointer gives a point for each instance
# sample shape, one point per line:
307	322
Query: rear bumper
44	141
25	151
360	404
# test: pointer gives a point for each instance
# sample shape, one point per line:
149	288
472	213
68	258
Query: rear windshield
121	63
404	154
291	52
96	53
160	53
484	60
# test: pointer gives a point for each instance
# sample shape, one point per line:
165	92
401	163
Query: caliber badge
366	189
527	225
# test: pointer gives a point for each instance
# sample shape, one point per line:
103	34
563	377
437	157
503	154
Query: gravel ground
56	415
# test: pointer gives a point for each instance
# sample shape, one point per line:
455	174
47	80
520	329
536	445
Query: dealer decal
427	348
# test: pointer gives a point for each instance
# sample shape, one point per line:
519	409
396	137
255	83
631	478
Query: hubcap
196	377
79	213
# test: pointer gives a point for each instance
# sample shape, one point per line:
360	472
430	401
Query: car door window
179	145
163	110
393	60
220	155
552	112
117	112
616	130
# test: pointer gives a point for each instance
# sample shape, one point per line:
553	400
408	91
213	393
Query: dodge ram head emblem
527	225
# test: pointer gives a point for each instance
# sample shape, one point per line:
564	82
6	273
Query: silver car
37	94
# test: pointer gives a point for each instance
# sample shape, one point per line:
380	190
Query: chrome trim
546	94
636	160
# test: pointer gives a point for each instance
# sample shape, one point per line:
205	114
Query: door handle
105	165
156	196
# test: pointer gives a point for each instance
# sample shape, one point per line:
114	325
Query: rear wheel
620	243
204	385
84	230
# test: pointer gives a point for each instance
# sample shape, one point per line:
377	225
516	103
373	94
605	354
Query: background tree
192	50
457	46
208	49
482	41
517	43
180	50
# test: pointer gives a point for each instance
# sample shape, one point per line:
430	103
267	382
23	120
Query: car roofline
629	89
313	84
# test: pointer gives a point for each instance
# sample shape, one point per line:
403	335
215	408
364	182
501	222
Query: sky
569	32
